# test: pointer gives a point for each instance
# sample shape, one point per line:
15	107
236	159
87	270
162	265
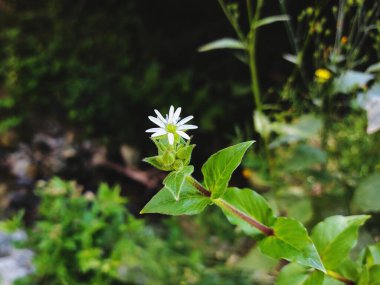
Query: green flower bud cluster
171	157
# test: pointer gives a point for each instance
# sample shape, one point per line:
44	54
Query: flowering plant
319	258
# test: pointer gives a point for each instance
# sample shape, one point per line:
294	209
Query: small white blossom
170	125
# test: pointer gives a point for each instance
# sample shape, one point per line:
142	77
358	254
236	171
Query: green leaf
364	277
225	43
250	204
219	167
372	255
291	242
270	20
348	268
175	180
296	274
191	202
367	196
335	237
374	275
330	281
292	58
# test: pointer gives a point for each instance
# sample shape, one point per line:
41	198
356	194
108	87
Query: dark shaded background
100	67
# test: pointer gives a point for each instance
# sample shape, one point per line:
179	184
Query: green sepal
167	158
155	162
218	169
291	242
160	146
184	153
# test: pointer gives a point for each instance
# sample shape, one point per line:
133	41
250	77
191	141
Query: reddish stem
264	229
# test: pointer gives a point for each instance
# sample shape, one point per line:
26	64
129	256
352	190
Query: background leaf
305	156
262	124
291	242
350	80
373	68
304	128
335	237
370	102
270	20
225	43
367	195
219	167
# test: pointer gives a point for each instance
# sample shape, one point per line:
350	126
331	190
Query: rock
14	263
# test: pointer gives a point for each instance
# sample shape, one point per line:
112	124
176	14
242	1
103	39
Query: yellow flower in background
322	75
247	173
344	40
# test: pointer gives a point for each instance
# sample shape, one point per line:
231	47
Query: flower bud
168	158
184	153
178	164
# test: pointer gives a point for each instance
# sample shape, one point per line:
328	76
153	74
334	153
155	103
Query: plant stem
231	209
252	39
232	21
301	52
198	186
289	28
339	28
249	10
339	277
255	84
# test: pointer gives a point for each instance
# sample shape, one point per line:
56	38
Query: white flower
170	125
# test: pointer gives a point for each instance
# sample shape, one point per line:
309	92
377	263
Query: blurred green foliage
87	238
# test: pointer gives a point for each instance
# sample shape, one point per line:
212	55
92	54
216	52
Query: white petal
171	138
157	122
171	113
160	116
159	133
186	127
183	134
185	120
153	130
176	115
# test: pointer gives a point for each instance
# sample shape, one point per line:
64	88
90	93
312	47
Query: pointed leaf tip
218	169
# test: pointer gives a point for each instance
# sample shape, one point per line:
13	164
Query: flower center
171	128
